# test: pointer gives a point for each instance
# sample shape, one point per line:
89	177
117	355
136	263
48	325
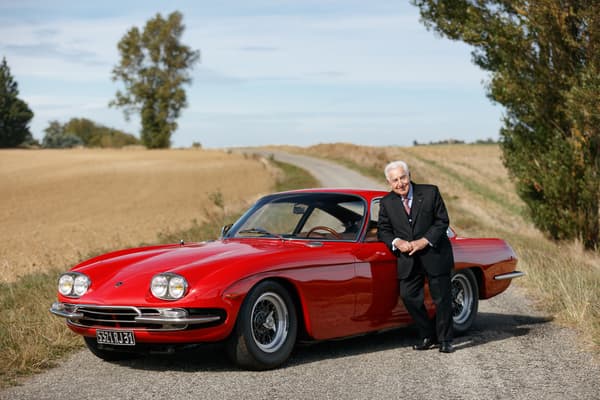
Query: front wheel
465	300
266	328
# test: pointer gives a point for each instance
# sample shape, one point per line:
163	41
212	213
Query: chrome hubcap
270	322
462	298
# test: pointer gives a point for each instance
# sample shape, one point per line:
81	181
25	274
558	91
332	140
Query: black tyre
465	300
107	355
266	328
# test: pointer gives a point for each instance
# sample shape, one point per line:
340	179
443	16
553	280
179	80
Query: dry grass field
58	206
482	201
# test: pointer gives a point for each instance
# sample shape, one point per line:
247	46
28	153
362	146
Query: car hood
209	267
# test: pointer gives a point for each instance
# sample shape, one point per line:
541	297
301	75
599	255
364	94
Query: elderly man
413	222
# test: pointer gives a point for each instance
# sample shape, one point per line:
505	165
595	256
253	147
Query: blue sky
271	72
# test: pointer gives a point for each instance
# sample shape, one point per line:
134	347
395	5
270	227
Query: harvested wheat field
59	206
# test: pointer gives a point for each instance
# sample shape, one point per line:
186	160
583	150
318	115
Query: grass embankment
32	339
482	201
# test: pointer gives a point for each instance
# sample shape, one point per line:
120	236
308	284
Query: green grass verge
293	178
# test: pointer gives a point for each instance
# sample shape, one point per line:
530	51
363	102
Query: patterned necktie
406	205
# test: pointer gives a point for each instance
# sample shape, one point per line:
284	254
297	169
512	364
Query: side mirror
225	229
299	209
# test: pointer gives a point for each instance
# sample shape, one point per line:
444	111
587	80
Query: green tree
96	135
15	114
154	66
544	59
57	138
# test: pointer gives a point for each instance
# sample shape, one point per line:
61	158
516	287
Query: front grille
146	318
115	317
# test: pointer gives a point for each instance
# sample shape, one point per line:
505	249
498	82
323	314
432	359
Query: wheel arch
247	284
298	304
478	272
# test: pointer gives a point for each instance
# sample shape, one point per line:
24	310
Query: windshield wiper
260	231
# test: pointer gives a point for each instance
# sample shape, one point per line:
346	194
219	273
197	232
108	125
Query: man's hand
417	245
403	245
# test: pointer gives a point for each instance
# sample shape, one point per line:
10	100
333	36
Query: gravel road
512	352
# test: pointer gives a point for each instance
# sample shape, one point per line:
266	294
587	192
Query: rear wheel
465	300
107	355
266	328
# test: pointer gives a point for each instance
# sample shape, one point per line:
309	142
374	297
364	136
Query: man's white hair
394	165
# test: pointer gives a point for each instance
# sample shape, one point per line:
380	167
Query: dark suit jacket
428	218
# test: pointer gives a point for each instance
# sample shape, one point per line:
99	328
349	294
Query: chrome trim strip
170	323
65	314
510	275
177	321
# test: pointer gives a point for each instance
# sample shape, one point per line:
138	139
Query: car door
378	304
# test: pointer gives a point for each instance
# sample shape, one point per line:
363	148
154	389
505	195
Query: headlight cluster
73	284
168	286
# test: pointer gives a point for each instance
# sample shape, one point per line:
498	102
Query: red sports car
303	263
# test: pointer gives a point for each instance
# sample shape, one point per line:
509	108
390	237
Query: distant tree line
84	132
455	141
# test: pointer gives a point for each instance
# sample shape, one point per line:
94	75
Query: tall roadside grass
31	339
562	278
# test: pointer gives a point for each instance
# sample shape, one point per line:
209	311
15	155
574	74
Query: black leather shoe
446	347
426	344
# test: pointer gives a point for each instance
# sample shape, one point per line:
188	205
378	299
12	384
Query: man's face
399	181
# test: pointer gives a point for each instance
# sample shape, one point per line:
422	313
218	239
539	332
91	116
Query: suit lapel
416	203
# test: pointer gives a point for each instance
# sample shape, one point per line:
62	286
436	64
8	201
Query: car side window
321	218
371	235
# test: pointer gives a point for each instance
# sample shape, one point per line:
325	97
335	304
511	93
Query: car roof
368	194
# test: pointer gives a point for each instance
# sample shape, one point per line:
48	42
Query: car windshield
322	216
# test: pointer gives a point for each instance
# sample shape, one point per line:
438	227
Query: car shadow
488	327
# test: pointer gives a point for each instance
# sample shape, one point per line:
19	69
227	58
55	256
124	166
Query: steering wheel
324	228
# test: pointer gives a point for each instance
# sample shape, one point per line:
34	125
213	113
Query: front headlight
168	286
73	284
65	284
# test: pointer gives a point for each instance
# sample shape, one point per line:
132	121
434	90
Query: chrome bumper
150	318
510	275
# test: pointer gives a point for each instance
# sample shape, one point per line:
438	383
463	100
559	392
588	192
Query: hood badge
118	284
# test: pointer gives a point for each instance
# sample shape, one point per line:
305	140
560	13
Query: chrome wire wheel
266	328
463	298
270	322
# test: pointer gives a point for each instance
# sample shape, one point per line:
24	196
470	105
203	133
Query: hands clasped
411	247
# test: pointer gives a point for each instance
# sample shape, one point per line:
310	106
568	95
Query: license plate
116	338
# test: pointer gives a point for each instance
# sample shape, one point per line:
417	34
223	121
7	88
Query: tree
544	59
96	135
15	114
84	132
57	138
154	67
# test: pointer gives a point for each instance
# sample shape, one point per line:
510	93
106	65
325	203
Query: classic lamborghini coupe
299	264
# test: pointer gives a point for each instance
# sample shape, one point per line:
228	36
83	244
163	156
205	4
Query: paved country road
512	352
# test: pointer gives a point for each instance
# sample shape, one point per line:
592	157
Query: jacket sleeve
439	227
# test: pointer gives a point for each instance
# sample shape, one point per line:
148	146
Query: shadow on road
488	327
491	327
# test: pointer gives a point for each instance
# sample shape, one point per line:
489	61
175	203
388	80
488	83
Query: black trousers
412	292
